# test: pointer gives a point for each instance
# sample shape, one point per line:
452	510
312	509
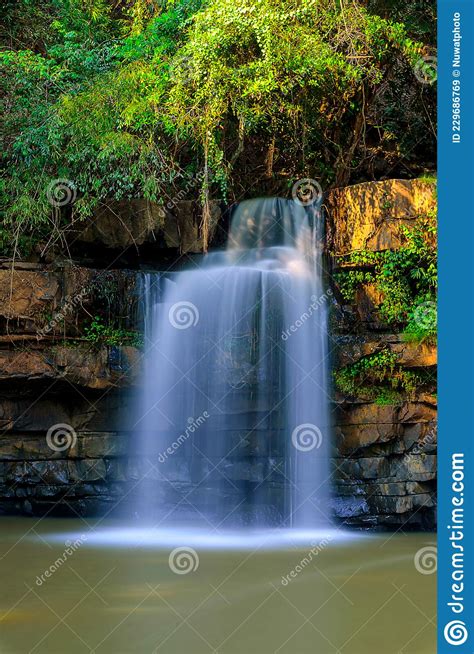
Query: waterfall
232	427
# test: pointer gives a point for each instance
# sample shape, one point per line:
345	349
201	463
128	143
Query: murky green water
359	597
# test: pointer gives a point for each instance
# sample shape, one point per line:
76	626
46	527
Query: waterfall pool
360	594
229	546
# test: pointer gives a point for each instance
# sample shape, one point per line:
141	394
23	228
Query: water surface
355	596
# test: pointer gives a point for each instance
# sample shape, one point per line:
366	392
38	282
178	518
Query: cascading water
233	420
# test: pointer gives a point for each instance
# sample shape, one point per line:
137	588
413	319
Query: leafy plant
406	279
129	99
101	334
378	377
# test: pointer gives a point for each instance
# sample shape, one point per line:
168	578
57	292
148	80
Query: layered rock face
67	402
385	454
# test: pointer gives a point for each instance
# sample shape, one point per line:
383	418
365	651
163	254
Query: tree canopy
221	98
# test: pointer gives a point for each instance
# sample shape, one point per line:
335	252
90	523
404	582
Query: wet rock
350	507
384	466
87	470
362	468
102	444
399	505
33	472
55	301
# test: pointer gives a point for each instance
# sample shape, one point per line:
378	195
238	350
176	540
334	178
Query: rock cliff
385	448
67	391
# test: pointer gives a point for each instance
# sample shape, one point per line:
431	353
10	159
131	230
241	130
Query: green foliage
419	16
128	99
406	279
422	321
101	334
377	377
287	68
429	179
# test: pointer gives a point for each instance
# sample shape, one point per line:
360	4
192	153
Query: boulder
369	215
131	223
